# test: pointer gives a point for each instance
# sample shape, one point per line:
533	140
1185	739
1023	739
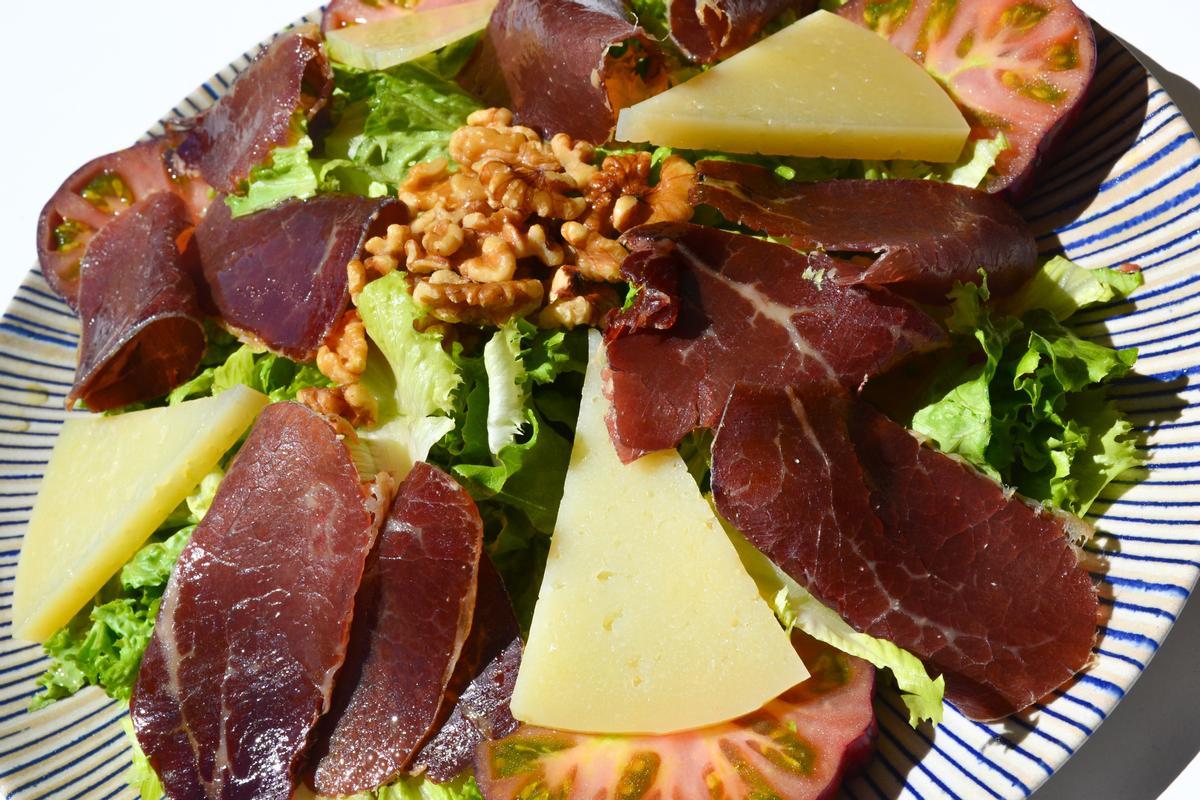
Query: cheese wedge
823	86
110	483
647	622
386	43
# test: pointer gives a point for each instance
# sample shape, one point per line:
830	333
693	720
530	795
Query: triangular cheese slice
647	622
110	483
821	87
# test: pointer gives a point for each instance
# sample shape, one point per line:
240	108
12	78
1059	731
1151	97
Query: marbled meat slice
709	30
926	235
290	77
413	616
725	308
479	693
280	274
907	544
254	623
799	746
555	58
143	333
99	192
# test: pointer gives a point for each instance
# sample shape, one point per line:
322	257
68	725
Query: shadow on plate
1154	733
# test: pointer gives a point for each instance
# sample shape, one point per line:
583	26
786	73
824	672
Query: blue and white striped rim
1127	188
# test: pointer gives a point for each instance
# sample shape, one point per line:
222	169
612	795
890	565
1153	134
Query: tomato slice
344	13
797	747
97	193
1017	67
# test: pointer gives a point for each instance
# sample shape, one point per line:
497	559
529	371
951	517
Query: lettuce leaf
103	645
1022	398
506	396
413	788
275	376
288	174
971	170
390	120
409	372
797	608
1063	288
532	378
140	776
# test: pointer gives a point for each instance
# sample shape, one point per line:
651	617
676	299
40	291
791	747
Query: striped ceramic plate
1127	189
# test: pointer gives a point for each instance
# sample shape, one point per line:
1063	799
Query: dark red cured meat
553	55
747	312
480	691
1014	67
290	76
413	616
99	192
280	274
709	30
344	13
907	544
799	746
254	623
143	333
927	235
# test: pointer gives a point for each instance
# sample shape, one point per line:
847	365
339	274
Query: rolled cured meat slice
482	686
142	325
291	77
412	619
99	192
709	30
721	308
555	57
923	236
908	544
280	274
254	623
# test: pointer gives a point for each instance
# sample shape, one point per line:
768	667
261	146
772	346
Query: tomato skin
97	193
797	747
1017	67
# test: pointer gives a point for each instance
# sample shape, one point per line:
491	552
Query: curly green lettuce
1023	398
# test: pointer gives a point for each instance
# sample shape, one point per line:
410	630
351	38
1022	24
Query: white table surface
86	78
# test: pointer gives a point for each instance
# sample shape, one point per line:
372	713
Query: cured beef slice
413	616
255	619
98	193
907	544
926	236
709	30
554	57
142	329
280	274
481	688
291	76
722	309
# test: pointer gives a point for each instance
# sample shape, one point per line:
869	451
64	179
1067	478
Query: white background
85	78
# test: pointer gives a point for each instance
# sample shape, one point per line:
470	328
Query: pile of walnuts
523	227
516	227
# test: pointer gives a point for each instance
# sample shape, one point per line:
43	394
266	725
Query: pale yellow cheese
821	87
647	622
110	483
383	44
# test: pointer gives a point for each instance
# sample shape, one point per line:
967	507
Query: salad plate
1124	187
